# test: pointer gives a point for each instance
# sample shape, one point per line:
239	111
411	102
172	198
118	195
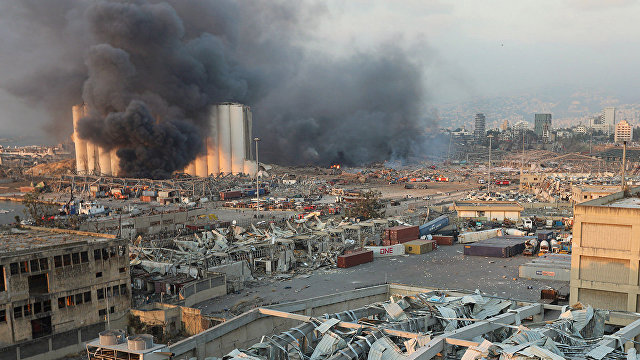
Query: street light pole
489	183
257	181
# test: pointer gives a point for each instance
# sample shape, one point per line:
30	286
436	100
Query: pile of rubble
456	327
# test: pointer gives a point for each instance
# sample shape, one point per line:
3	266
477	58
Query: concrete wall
203	289
606	255
248	328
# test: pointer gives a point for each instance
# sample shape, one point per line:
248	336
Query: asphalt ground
444	268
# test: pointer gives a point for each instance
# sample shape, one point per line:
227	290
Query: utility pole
257	181
489	182
624	160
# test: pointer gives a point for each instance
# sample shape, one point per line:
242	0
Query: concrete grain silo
77	113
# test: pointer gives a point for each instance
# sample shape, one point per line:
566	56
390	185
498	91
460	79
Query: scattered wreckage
426	325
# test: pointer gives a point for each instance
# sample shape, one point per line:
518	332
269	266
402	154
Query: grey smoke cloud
150	71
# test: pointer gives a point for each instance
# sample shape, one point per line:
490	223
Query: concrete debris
404	327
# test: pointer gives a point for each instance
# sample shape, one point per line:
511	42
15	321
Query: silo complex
228	143
92	159
228	146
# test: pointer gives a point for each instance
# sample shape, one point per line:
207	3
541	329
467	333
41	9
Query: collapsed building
403	322
228	146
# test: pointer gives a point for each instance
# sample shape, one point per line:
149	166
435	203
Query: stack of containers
400	235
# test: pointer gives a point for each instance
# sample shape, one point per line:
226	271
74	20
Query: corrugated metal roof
328	324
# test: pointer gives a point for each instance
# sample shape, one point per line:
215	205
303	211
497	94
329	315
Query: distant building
606	129
580	129
624	132
488	210
520	126
542	125
609	116
480	129
505	125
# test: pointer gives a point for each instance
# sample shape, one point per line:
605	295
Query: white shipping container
382	251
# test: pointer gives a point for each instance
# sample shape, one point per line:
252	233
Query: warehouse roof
35	238
629	199
488	205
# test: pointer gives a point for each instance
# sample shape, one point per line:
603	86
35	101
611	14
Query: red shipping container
355	258
226	195
386	242
443	240
402	233
401	241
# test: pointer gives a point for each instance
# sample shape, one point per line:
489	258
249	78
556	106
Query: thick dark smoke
149	72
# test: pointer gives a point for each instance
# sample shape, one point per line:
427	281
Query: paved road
445	268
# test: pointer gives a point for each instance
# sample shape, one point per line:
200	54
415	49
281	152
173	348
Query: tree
35	208
368	207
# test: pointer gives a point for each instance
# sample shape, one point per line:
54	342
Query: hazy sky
468	48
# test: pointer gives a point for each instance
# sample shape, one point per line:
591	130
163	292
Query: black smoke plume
150	70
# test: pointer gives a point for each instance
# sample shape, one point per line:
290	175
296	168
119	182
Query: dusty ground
445	268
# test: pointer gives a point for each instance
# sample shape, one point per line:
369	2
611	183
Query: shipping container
147	198
497	247
442	239
355	258
382	251
546	235
150	193
400	234
434	225
473	236
418	246
226	195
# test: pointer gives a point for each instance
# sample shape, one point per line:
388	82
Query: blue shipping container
434	225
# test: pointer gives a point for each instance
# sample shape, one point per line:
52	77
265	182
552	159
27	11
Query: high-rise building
624	132
542	125
505	125
609	116
480	131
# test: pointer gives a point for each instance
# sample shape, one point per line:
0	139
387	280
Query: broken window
100	294
57	261
14	268
105	254
123	289
44	264
66	259
41	327
61	302
35	265
102	313
3	287
3	316
17	312
70	300
84	257
99	274
109	293
122	269
96	254
75	257
120	250
116	290
79	299
46	305
24	267
37	308
87	296
38	284
112	310
26	309
113	251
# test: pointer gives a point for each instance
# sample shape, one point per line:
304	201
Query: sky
467	48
